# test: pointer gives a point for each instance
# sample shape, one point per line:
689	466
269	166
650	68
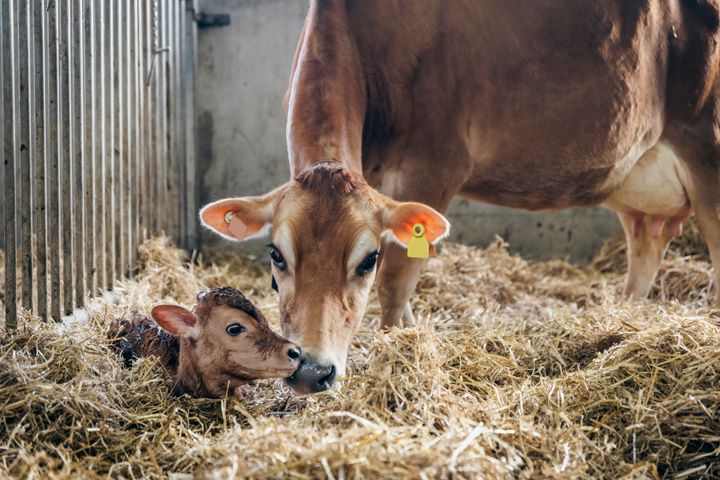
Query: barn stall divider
99	143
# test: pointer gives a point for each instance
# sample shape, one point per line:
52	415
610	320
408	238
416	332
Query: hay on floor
517	370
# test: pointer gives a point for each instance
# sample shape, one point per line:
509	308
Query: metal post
129	136
65	127
138	84
24	151
41	85
79	154
175	95
150	118
53	115
190	61
9	86
101	166
119	150
103	245
90	131
110	153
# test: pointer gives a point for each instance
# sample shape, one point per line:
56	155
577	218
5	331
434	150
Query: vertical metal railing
98	132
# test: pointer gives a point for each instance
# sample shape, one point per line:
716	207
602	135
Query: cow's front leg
396	281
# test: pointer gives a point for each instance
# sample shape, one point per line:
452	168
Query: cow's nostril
327	380
293	353
312	377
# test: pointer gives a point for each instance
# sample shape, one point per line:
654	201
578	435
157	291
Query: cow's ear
175	319
241	218
399	218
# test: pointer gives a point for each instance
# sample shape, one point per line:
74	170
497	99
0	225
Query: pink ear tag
236	226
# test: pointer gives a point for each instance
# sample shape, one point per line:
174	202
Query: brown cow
224	343
537	105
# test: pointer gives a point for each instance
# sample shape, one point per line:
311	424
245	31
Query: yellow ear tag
418	246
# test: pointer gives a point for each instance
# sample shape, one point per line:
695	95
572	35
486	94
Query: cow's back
550	103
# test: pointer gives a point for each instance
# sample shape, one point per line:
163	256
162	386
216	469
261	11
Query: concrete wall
243	75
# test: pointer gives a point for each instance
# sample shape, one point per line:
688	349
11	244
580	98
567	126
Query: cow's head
327	225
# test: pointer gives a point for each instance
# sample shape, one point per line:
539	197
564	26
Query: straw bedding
516	370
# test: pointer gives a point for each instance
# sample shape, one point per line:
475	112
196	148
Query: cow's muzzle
312	376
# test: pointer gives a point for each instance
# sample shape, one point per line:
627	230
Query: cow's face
327	225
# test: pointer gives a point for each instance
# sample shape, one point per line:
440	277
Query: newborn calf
223	343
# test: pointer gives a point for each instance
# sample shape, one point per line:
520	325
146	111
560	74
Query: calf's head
326	227
224	342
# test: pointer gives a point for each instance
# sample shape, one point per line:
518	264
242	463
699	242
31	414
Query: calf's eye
235	329
368	264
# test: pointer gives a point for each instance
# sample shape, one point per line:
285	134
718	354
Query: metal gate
98	122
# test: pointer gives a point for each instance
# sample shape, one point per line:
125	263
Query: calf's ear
241	218
399	218
175	319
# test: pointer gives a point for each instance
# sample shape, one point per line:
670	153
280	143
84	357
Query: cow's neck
326	103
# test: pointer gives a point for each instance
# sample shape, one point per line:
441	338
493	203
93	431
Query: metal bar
101	146
65	127
28	169
78	137
9	86
141	104
25	151
162	154
90	147
119	150
129	137
138	121
101	173
158	80
3	122
173	186
189	63
40	46
110	157
150	118
53	115
182	141
127	82
171	160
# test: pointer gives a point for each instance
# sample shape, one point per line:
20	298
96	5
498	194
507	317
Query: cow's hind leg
647	240
705	199
699	145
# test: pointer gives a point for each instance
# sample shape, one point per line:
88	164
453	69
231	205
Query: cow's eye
277	258
234	329
368	264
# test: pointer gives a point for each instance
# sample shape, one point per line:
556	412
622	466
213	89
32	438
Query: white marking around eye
283	240
365	243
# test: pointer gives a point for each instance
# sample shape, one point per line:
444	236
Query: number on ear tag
418	246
